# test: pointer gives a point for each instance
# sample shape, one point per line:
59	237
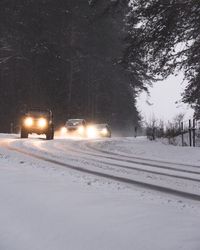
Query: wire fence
190	133
183	133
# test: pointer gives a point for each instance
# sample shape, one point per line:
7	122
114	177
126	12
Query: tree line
91	59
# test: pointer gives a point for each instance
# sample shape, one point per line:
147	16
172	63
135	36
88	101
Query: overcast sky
163	98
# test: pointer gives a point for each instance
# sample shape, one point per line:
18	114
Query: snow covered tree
167	34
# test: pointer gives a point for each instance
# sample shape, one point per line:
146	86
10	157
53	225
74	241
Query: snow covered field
45	204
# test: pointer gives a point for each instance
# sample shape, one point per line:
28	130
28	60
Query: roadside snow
47	207
156	150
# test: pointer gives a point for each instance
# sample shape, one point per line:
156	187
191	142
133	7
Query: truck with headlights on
38	121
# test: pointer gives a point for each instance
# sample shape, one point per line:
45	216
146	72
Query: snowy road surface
120	193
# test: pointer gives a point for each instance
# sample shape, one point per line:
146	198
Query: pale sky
163	98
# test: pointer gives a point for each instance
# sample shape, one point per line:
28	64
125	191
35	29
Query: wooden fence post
193	131
182	138
190	134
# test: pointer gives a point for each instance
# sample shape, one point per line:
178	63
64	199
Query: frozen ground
46	206
144	148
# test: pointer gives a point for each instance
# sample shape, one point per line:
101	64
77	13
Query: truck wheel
24	133
50	134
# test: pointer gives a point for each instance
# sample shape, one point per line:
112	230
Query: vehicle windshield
37	113
74	122
100	126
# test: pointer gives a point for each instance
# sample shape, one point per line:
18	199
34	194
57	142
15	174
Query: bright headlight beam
104	131
28	122
42	122
81	130
63	130
91	132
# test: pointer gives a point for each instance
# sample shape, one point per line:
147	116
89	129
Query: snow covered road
46	202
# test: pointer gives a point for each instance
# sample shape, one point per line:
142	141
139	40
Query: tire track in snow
85	154
88	145
125	180
127	160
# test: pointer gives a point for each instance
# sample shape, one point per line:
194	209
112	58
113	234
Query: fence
190	133
185	133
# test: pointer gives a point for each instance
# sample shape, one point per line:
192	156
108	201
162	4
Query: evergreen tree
65	55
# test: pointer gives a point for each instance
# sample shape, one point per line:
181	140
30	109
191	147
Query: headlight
42	123
81	130
63	130
104	131
28	122
91	132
